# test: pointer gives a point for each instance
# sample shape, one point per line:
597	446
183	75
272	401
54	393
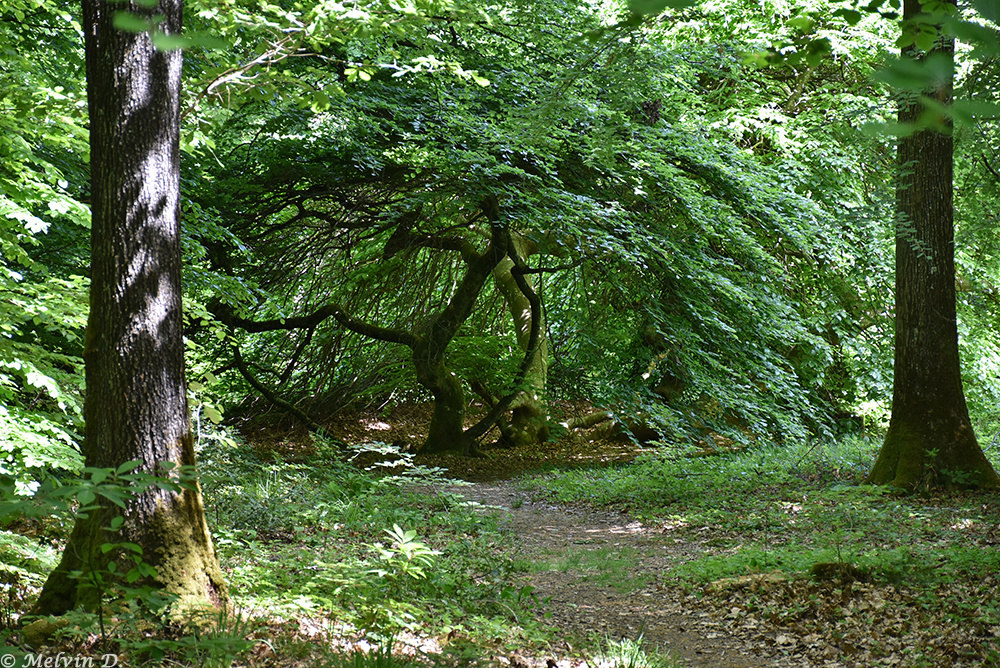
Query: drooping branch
552	270
299	349
225	315
992	170
402	336
271	396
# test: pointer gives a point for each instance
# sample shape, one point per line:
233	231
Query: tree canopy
705	233
690	209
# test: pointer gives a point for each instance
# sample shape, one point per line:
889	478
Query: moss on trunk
169	527
529	417
446	432
930	442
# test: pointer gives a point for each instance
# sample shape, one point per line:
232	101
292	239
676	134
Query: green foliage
784	511
608	566
625	170
628	653
43	305
381	657
340	530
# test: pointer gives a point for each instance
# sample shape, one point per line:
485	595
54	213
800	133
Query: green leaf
851	16
917	75
320	101
803	23
817	50
130	22
131	547
889	129
213	414
115	495
165	42
988	9
649	7
128	467
926	38
984	40
972	110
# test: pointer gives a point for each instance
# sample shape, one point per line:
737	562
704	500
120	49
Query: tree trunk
446	432
529	418
136	401
930	442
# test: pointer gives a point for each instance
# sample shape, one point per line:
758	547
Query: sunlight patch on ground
631	527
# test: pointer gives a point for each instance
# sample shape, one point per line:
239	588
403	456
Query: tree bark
136	400
446	431
529	418
930	442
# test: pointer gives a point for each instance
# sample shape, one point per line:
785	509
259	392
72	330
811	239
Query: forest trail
602	574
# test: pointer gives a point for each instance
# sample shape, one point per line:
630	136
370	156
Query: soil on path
635	604
578	602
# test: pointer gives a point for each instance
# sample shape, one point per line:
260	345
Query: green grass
319	542
609	566
782	511
373	553
327	524
626	653
788	508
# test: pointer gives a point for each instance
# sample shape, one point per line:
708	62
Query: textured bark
446	431
136	402
930	442
529	417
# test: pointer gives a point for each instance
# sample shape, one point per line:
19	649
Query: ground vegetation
659	250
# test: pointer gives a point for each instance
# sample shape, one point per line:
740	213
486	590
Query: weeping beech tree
428	343
136	401
930	441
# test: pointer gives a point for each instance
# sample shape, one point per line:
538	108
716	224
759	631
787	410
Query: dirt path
603	575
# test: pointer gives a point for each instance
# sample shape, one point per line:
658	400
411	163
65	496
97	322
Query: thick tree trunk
446	432
930	442
529	417
136	401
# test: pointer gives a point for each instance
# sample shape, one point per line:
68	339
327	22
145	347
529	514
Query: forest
401	333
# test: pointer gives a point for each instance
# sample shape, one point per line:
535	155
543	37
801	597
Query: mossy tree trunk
930	442
136	401
446	431
529	417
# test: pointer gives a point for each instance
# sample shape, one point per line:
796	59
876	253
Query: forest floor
607	555
637	605
600	574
